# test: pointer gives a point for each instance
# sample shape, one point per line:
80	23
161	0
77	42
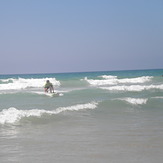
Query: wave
158	97
135	88
13	115
6	80
135	101
108	77
113	80
21	83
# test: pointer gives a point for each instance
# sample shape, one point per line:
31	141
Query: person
49	87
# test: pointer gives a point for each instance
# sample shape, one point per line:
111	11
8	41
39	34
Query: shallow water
112	117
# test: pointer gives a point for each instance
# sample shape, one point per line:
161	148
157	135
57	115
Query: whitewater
110	116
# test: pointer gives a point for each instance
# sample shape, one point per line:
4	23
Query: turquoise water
110	116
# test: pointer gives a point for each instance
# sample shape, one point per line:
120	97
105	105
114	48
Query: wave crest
113	80
135	101
136	88
21	83
13	115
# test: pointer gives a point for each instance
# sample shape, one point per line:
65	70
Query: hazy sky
48	36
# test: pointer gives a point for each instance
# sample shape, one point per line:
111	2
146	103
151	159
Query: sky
53	36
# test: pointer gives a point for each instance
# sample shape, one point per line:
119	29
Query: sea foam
21	83
135	88
135	101
13	115
108	77
57	93
113	80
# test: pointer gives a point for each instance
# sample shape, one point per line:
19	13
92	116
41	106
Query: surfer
49	87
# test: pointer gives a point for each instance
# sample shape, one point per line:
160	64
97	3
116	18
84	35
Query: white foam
48	94
136	88
142	79
135	101
13	115
6	80
112	80
101	82
91	105
22	83
108	77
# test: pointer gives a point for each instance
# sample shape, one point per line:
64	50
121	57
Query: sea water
96	117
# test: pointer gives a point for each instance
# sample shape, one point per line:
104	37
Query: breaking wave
13	115
136	88
113	80
135	101
21	83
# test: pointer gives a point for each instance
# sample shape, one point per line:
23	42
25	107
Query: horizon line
81	71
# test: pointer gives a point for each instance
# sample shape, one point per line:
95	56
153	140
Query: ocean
94	117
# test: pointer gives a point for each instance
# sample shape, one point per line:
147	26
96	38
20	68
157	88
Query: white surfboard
55	94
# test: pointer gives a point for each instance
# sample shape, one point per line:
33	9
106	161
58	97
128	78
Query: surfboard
55	94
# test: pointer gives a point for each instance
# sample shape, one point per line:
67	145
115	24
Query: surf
22	83
113	80
13	115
